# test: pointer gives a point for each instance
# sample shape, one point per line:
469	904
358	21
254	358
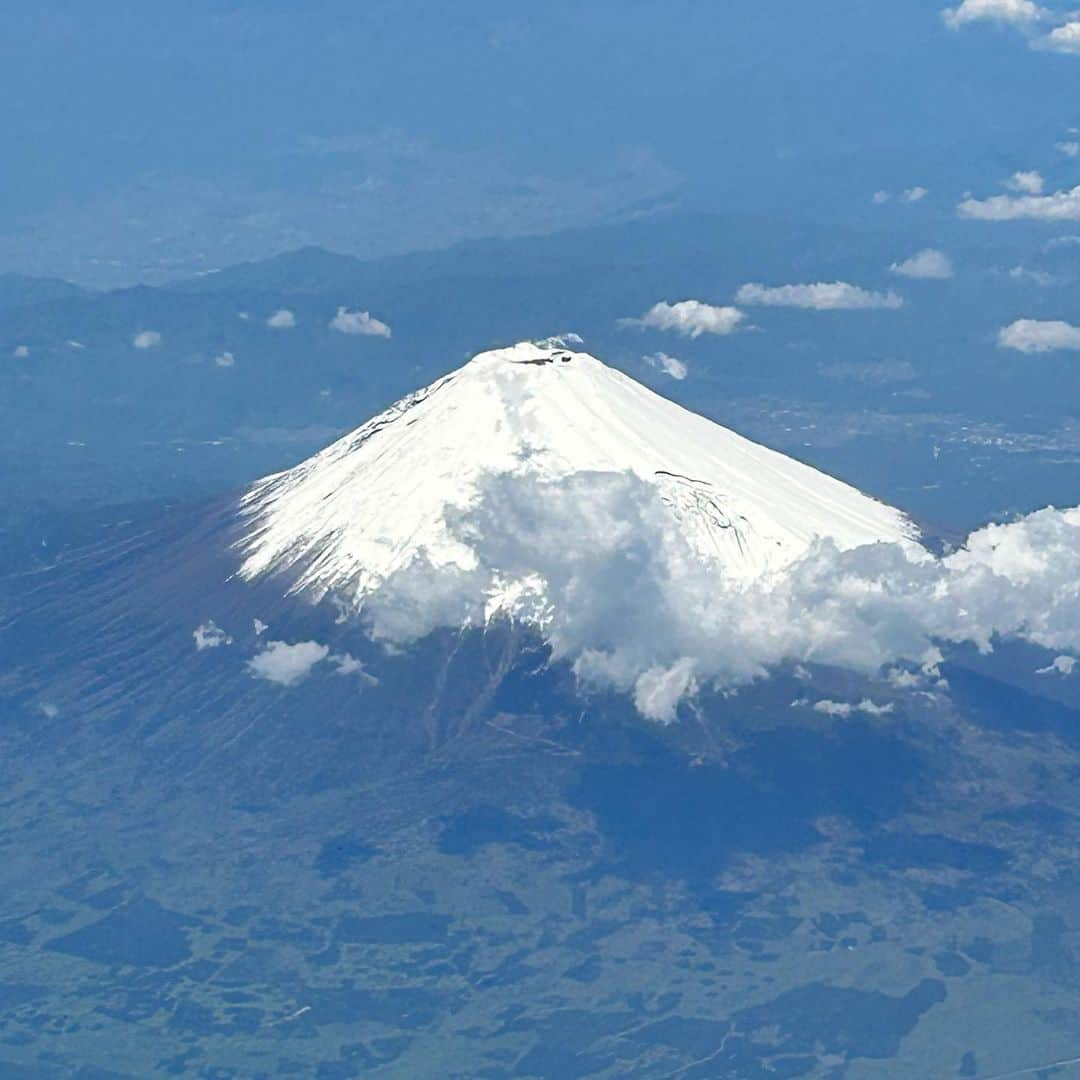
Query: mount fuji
348	519
535	493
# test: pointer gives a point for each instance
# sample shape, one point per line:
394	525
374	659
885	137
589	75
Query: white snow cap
384	495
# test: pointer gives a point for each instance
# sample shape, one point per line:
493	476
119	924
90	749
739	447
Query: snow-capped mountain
348	518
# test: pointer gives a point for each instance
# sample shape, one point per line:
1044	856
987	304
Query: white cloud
1030	183
619	595
225	359
880	198
845	709
48	710
146	339
285	664
209	635
1058	206
915	194
72	344
669	365
904	678
1039	336
823	296
560	341
1064	39
690	318
358	322
259	627
1070	148
1019	12
21	352
658	691
282	319
928	263
1031	276
347	664
1060	665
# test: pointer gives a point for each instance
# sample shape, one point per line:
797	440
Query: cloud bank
618	593
822	296
690	318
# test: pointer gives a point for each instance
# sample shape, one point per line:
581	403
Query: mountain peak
386	494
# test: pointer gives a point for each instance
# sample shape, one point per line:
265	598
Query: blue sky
143	140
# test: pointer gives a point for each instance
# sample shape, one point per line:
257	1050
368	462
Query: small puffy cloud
282	319
879	198
48	710
209	635
225	359
844	709
146	339
928	263
1060	665
690	318
1030	182
560	341
358	322
822	296
21	352
347	664
669	365
904	678
1017	12
915	194
1063	39
1058	206
658	691
1039	336
287	664
73	344
259	627
1070	148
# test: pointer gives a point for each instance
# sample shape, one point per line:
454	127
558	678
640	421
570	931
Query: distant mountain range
186	388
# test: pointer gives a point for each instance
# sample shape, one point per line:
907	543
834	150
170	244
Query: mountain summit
348	518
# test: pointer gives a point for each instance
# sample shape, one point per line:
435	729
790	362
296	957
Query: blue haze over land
242	839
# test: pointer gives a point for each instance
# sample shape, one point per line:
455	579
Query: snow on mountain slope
348	518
